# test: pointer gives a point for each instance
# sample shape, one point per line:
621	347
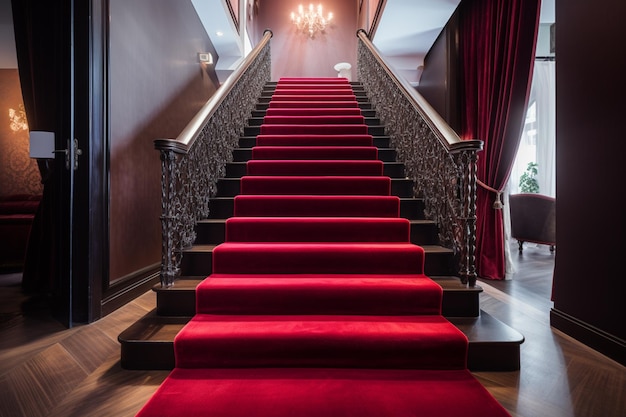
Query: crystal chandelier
311	20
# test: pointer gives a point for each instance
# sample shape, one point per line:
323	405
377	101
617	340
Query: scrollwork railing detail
194	161
442	167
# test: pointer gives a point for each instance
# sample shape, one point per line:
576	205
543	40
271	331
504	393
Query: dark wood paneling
588	283
156	86
438	83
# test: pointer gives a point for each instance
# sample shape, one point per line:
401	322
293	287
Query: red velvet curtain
497	41
37	28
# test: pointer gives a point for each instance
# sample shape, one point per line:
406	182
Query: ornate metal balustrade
193	162
442	166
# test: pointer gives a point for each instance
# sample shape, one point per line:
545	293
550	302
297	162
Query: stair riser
238	169
362	104
222	208
364	113
372	130
230	187
213	233
258	121
380	142
481	357
245	154
182	303
201	263
411	343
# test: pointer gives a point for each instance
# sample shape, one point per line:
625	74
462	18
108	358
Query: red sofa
533	219
17	213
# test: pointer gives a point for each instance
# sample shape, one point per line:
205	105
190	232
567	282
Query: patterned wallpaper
18	172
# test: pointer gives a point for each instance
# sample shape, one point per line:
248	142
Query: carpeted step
342	341
323	129
330	96
319	111
331	119
315	140
330	185
315	152
305	93
313	80
317	229
335	294
304	205
318	258
288	392
314	86
314	167
294	102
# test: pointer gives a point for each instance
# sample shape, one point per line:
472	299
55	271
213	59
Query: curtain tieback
497	204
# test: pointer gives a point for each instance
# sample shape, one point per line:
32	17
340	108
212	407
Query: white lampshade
41	144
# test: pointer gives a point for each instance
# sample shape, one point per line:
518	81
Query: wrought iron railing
441	165
192	163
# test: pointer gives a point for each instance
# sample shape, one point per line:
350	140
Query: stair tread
434	249
483	332
326	392
481	329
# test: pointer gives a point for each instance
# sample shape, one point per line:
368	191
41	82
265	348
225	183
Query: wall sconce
205	58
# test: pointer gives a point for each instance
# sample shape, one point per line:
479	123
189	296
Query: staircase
149	343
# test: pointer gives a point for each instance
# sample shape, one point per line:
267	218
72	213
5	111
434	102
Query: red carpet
318	304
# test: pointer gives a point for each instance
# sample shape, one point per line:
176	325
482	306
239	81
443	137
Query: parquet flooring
47	370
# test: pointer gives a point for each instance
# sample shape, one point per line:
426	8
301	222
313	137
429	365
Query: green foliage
527	182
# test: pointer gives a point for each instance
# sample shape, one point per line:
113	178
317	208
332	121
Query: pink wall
297	55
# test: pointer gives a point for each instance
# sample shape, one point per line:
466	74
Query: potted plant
528	181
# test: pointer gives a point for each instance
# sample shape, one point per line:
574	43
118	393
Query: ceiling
405	33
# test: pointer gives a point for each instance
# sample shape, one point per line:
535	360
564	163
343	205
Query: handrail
440	164
189	134
438	125
193	163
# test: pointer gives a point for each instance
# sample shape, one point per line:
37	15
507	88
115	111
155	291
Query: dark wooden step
364	112
250	141
229	187
264	104
390	169
245	154
212	232
258	121
198	260
149	343
376	130
459	300
222	208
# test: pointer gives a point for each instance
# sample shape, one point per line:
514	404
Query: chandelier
311	20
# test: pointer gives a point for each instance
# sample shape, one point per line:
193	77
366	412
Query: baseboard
129	288
603	342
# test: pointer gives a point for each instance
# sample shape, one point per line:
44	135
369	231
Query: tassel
497	205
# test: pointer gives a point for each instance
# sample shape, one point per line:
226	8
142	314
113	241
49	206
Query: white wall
8	58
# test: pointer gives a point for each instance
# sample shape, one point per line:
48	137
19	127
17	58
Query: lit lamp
311	20
41	144
205	58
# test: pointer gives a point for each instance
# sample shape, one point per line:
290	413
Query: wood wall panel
157	85
589	288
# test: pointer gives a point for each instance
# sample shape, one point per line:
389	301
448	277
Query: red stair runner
318	304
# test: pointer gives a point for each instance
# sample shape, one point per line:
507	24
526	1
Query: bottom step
493	346
459	300
305	392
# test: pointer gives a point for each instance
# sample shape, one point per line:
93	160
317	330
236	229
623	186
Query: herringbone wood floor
46	370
